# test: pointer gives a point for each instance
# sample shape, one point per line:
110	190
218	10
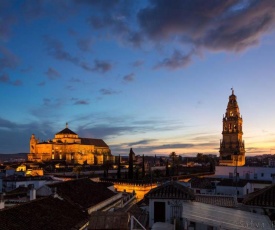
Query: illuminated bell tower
232	151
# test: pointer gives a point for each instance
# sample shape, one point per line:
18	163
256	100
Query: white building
246	172
173	203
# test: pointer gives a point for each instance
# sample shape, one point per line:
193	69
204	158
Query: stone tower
232	151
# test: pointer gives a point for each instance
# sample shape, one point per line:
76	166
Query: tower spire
66	124
232	150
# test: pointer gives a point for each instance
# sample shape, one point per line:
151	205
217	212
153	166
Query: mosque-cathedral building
69	147
232	150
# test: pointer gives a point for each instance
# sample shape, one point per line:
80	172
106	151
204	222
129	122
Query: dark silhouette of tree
174	157
199	157
143	167
131	165
166	169
136	173
118	168
212	166
106	166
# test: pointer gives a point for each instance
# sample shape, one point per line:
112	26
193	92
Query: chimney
32	192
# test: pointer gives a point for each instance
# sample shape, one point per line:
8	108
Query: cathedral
69	147
232	150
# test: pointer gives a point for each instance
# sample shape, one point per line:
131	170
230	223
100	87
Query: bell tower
232	151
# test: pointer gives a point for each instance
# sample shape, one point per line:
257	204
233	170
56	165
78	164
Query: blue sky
154	75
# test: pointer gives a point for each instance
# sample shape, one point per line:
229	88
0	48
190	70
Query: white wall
255	173
232	191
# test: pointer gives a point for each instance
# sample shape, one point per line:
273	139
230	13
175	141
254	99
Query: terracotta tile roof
263	197
223	201
171	190
92	141
44	213
109	220
83	192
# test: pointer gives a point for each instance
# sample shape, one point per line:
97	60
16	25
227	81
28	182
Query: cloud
141	142
74	79
7	59
129	77
7	20
84	44
103	131
42	83
177	60
55	48
47	101
15	137
52	73
79	101
147	146
101	66
4	78
50	107
138	63
215	25
26	70
17	83
108	92
6	124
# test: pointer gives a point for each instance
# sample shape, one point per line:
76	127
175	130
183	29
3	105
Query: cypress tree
143	167
167	169
118	168
131	165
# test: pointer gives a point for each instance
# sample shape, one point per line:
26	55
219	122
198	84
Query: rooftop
223	201
263	197
43	213
171	190
84	192
225	218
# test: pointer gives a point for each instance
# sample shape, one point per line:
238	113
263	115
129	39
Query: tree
166	169
106	166
131	165
118	168
174	157
212	166
143	167
199	157
136	173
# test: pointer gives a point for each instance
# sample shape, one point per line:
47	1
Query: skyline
154	76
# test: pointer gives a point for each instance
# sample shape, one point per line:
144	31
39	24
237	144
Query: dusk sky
154	75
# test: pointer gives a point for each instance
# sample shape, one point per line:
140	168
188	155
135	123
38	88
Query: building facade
232	149
68	146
